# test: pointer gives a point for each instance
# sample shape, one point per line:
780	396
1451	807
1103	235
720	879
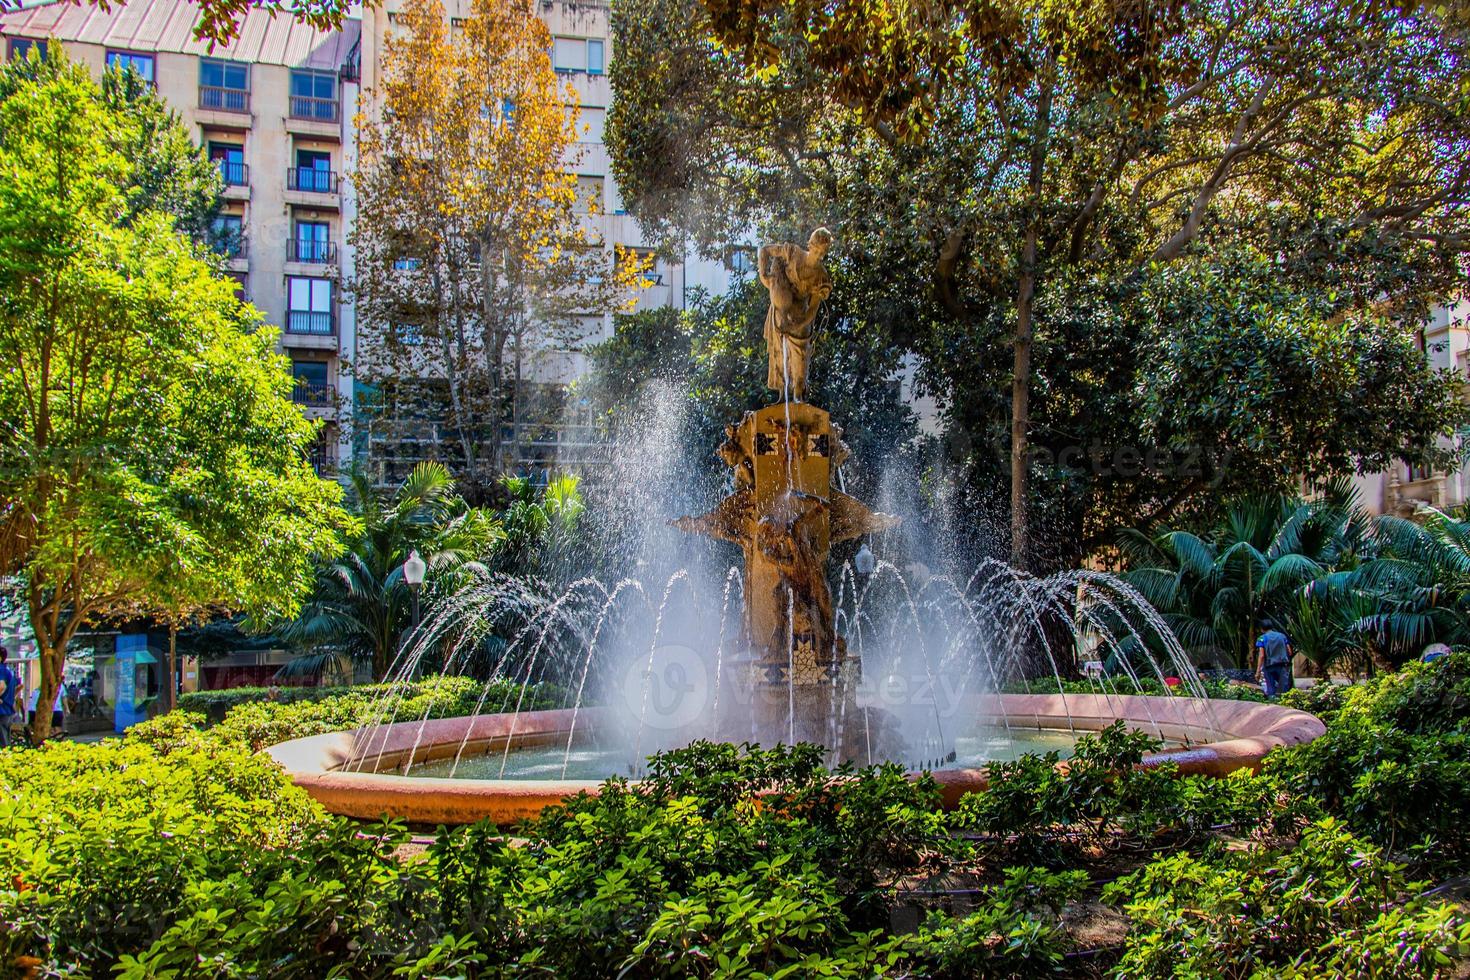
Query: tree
361	604
1049	174
152	458
1347	587
469	250
1216	590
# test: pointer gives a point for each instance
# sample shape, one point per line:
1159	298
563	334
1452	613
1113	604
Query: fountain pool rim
1219	738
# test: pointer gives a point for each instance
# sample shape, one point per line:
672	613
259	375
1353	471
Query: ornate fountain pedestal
797	683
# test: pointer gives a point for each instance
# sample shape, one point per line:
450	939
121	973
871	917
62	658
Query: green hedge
178	852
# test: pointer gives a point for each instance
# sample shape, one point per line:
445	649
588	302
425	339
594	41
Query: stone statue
798	283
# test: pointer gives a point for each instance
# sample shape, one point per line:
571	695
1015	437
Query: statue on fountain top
798	283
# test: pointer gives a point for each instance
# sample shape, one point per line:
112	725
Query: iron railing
230	244
311	179
311	107
235	173
224	99
310	250
308	321
312	394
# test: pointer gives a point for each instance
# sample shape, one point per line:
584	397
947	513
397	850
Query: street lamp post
413	573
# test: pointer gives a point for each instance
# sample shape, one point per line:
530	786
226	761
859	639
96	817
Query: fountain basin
1216	738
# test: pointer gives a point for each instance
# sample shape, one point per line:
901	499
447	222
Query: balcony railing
310	107
310	250
224	99
312	394
309	321
235	173
310	179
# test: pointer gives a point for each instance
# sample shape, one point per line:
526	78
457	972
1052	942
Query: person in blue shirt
1273	660
7	697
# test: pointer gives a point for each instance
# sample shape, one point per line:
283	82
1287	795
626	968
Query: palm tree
1409	591
360	606
539	527
1214	591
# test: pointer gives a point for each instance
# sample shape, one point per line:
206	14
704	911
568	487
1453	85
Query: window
227	235
128	61
589	195
20	47
646	257
313	172
224	85
406	264
589	124
314	95
312	386
312	242
308	305
230	158
568	54
579	54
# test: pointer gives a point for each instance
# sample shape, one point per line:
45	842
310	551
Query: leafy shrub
178	852
1331	907
1015	933
103	842
1394	763
1037	810
1424	698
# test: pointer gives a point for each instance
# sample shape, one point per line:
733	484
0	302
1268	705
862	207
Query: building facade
555	427
1404	489
273	110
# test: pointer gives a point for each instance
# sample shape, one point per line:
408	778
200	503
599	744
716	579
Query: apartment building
274	110
582	48
1404	489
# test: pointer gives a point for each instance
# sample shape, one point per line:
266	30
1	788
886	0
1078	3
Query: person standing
7	697
1273	660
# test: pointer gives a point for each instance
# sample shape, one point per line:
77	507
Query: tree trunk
171	675
53	632
1021	372
1021	404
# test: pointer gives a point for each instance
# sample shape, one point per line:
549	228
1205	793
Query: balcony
311	250
220	99
312	395
310	180
234	173
309	322
314	109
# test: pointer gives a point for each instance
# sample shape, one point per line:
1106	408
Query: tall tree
151	457
1050	172
469	250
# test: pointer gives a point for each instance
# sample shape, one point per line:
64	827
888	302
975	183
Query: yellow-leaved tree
470	250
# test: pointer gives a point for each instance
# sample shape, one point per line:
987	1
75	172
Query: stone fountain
797	679
785	515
